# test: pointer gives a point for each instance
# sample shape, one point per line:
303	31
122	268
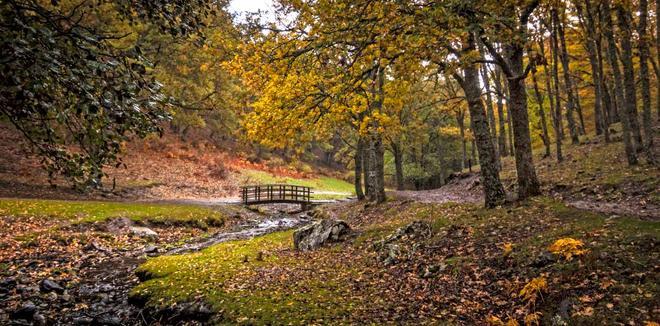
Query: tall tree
502	136
568	82
469	81
625	26
511	61
592	42
613	60
544	126
643	47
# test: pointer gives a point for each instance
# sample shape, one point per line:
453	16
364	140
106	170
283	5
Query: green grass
320	184
92	211
220	275
315	287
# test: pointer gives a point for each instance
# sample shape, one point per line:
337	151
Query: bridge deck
275	193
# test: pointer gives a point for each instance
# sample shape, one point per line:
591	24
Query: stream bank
88	281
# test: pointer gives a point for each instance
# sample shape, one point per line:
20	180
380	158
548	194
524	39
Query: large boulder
314	235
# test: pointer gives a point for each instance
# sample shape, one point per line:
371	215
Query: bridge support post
305	206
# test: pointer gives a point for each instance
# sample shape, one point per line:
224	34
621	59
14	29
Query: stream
107	275
254	228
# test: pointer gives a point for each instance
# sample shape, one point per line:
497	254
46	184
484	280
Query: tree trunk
625	26
544	125
398	165
489	105
614	66
657	56
509	129
376	151
366	168
568	82
460	120
559	125
500	112
359	151
551	99
493	191
528	183
578	106
593	47
644	80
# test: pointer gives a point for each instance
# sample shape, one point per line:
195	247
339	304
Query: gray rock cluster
317	233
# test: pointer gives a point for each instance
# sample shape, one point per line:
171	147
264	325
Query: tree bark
398	165
493	191
568	82
551	99
509	129
489	105
359	151
644	81
500	113
544	127
592	42
559	125
631	154
376	150
460	120
625	25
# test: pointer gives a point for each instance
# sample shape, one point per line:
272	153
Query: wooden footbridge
277	193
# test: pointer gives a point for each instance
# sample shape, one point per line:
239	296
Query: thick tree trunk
644	81
493	191
657	56
568	82
500	113
359	151
618	88
528	183
625	25
544	126
398	165
375	148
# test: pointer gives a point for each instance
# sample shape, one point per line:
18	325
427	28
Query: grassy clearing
345	283
334	188
94	211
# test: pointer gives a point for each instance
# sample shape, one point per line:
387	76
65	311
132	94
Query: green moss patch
93	211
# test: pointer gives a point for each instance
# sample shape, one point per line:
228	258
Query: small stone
545	258
39	319
51	296
83	321
150	249
26	311
108	321
142	231
48	285
65	297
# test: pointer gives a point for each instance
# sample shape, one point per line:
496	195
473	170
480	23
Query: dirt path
464	188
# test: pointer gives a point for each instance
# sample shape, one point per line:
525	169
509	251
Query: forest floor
424	257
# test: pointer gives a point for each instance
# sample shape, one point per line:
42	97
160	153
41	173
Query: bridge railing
275	193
